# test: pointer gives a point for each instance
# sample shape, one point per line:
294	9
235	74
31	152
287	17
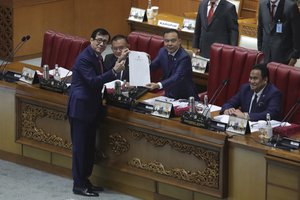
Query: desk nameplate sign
189	25
162	109
29	76
137	14
167	24
237	125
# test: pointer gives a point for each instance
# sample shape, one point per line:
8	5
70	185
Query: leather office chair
61	49
149	43
229	62
287	80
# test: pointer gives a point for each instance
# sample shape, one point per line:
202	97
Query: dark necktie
170	63
273	5
254	102
211	12
100	58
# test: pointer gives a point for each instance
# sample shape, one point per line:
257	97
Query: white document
256	125
62	71
111	85
139	71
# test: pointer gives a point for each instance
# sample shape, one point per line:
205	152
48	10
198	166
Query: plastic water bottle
56	75
269	129
206	110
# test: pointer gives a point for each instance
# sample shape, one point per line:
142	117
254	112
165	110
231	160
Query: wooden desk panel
162	150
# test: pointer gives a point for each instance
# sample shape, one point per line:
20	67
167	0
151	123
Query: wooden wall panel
36	19
176	7
91	14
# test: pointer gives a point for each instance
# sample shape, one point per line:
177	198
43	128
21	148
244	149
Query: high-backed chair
229	62
287	80
149	43
61	49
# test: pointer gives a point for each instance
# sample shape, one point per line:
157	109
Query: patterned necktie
254	102
211	12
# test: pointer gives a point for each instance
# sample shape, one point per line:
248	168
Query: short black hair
119	37
262	67
100	31
172	31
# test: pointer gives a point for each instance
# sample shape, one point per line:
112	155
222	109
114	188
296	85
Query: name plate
137	14
162	109
168	24
237	125
189	25
29	76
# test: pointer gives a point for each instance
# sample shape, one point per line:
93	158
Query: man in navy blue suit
85	108
177	68
256	98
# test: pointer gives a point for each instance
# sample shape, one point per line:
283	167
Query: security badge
279	27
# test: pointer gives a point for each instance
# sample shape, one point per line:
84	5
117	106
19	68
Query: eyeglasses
100	40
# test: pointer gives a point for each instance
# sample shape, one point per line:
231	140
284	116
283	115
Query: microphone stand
10	56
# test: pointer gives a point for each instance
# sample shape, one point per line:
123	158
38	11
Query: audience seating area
229	62
287	80
61	49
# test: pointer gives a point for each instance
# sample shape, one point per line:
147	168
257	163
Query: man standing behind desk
216	22
85	108
177	68
118	44
278	31
256	98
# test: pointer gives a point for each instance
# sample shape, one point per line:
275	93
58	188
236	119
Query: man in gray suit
278	31
216	22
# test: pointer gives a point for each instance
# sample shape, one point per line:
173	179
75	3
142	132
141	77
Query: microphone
291	112
216	95
201	119
11	55
218	91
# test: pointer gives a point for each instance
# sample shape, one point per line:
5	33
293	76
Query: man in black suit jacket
221	28
118	44
278	35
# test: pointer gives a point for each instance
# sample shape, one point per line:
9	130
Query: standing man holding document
85	108
177	68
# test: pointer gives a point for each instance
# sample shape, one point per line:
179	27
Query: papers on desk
256	125
180	103
111	85
139	71
62	71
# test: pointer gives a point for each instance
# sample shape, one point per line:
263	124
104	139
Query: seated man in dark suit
256	98
177	68
119	44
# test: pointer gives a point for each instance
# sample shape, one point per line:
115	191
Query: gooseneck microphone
291	112
11	55
216	95
218	91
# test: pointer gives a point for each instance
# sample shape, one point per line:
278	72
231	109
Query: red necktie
211	12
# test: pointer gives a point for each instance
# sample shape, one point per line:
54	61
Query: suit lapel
205	3
279	11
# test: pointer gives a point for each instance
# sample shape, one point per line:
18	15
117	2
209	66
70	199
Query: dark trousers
83	135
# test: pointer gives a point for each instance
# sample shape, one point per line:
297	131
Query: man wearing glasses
85	108
119	43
